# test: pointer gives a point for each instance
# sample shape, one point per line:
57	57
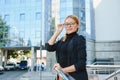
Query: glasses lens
72	23
69	24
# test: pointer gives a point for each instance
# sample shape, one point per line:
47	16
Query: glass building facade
29	21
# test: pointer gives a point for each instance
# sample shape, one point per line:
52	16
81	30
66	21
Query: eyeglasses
67	24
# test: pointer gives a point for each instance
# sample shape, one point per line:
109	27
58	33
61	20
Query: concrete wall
108	50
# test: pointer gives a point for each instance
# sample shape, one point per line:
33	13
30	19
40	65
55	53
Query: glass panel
22	1
7	1
38	0
38	16
7	17
22	16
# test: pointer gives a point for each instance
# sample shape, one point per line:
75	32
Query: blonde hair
74	17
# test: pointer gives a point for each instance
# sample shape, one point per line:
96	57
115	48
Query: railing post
94	72
115	78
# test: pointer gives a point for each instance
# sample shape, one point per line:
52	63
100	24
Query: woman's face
70	25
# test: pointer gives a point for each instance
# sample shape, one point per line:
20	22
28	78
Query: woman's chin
69	32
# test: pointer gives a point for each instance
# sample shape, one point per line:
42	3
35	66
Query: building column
36	60
5	57
1	55
90	31
32	58
43	23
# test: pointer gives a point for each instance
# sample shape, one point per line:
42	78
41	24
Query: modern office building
29	22
99	23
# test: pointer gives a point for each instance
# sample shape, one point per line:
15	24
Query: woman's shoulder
80	37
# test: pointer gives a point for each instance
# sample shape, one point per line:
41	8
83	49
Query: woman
70	50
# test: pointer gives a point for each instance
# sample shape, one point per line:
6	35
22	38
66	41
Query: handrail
103	66
106	67
112	75
63	75
106	63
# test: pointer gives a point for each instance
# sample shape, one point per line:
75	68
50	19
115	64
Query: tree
53	25
12	53
27	53
3	32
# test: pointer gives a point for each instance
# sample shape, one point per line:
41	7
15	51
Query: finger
60	24
54	66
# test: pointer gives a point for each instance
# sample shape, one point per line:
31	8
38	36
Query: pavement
38	75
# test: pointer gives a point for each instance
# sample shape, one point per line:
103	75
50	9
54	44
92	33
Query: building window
22	1
6	1
37	34
38	16
7	17
22	16
63	0
38	0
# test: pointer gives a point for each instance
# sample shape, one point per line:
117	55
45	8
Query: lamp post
42	35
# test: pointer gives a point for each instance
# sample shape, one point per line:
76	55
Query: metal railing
103	66
97	70
113	75
63	75
107	63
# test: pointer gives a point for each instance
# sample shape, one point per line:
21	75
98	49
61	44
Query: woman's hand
57	65
56	34
60	27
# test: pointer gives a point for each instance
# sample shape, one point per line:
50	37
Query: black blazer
71	52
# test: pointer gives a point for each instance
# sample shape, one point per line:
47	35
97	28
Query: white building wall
107	26
107	20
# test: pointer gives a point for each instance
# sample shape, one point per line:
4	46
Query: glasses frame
67	24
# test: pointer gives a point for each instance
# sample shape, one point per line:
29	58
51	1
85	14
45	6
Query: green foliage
27	53
15	54
12	53
4	28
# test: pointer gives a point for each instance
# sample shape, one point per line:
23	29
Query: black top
72	51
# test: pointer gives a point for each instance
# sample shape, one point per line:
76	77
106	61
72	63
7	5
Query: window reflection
38	16
22	16
7	17
22	1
